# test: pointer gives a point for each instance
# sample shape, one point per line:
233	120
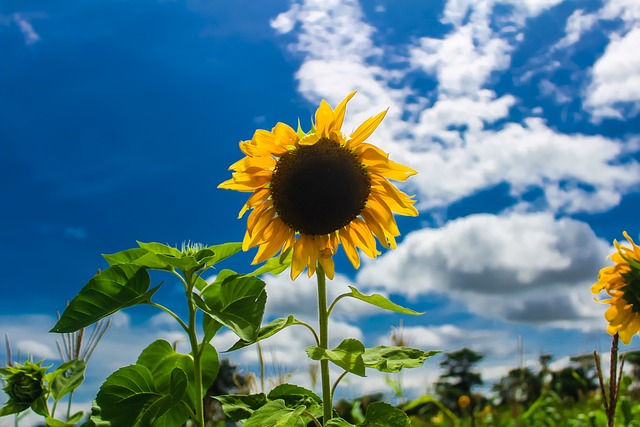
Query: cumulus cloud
538	267
463	131
577	24
615	84
300	298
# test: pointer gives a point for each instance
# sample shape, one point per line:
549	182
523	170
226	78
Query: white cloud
461	61
300	298
454	137
577	24
27	30
538	267
36	350
526	156
615	80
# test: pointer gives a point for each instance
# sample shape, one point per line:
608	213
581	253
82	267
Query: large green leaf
393	359
128	256
267	331
221	252
161	360
66	378
380	414
275	414
348	355
238	303
119	286
129	398
380	301
295	396
239	407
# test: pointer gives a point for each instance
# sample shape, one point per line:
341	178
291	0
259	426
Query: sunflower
312	192
622	283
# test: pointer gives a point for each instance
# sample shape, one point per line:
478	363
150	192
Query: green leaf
210	327
163	257
338	422
284	391
161	360
348	355
295	396
178	385
128	256
382	302
267	331
129	398
40	406
12	408
221	252
275	414
380	414
238	303
275	265
160	249
67	377
119	286
393	359
71	422
239	407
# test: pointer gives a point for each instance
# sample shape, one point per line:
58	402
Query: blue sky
521	116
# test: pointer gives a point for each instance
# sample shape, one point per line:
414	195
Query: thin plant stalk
614	381
196	350
323	321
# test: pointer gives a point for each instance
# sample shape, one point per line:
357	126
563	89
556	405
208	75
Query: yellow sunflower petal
365	130
340	111
377	162
397	201
246	164
284	135
386	240
324	119
258	197
275	236
348	243
363	238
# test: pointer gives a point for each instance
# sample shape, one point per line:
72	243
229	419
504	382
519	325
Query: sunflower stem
323	321
196	350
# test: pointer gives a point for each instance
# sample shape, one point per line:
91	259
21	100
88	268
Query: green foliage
158	390
379	301
348	355
164	387
393	359
117	287
236	302
66	378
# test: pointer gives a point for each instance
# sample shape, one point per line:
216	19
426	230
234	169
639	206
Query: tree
519	387
576	380
459	377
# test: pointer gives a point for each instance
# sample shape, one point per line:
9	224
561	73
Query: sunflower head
313	191
622	283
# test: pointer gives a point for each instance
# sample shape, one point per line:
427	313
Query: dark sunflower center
320	188
632	289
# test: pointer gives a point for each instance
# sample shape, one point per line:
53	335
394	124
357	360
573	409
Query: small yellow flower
464	401
622	282
312	192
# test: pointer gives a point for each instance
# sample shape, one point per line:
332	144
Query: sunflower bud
24	384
